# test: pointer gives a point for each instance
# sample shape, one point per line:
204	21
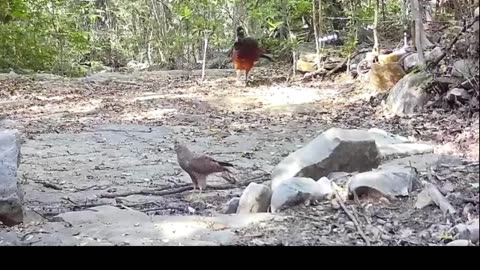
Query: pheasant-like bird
200	166
246	51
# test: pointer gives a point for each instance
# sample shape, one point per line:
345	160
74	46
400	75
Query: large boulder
332	151
11	195
408	94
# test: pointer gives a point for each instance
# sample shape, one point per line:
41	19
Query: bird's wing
205	165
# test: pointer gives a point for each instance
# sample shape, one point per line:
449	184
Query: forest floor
87	140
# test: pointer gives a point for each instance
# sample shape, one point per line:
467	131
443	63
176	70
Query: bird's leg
246	77
239	74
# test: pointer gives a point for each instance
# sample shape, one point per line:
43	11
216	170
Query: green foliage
74	37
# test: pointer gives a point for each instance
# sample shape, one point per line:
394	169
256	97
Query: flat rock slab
423	161
11	194
109	225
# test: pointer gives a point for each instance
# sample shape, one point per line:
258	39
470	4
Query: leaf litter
217	110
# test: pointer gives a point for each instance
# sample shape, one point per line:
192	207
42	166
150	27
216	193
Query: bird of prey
200	166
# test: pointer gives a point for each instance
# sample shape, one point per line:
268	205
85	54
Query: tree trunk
417	15
315	33
375	32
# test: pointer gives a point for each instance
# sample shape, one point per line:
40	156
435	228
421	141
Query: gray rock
392	181
459	94
340	178
411	60
459	243
423	161
465	68
405	149
383	137
231	206
332	151
408	94
297	190
11	194
468	231
430	195
448	187
391	145
255	199
8	124
114	226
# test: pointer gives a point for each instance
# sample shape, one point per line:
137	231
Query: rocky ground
98	165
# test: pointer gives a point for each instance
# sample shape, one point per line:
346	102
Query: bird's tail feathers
266	56
229	177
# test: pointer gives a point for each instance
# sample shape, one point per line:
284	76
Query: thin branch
444	52
351	216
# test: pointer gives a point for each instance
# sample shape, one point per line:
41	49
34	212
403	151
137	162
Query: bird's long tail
228	176
266	57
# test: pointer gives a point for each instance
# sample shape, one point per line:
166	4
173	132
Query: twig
48	185
168	190
352	217
310	75
139	192
164	208
126	207
311	218
444	52
24	237
469	200
338	67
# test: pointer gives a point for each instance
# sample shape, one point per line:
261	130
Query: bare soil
88	139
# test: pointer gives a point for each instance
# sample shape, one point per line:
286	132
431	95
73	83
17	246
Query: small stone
386	237
425	234
448	187
391	181
255	199
381	221
335	204
297	190
231	206
468	231
350	225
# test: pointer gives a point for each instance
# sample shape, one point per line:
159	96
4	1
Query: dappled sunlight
153	114
275	96
65	107
175	230
279	95
179	227
86	107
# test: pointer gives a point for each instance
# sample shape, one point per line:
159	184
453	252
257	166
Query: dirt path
113	133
